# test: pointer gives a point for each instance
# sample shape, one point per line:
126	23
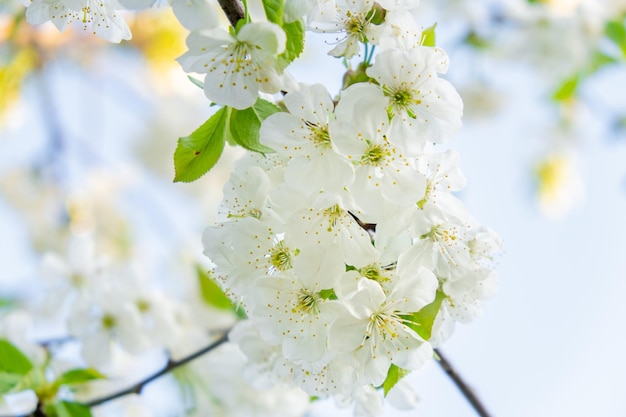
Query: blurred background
88	130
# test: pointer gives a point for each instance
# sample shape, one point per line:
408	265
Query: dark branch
233	10
368	227
171	365
466	390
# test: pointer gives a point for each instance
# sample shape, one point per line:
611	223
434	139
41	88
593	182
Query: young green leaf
422	321
68	409
197	153
211	292
616	32
274	10
6	302
599	61
78	376
12	360
567	90
295	43
477	41
246	124
196	82
8	381
328	294
428	36
393	376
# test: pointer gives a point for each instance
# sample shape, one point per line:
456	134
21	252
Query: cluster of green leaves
18	373
197	153
422	323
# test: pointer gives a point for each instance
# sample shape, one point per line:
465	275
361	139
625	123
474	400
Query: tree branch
466	390
171	365
233	10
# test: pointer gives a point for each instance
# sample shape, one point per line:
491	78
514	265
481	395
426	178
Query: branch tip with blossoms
346	247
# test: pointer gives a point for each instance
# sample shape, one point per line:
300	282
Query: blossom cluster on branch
340	240
346	247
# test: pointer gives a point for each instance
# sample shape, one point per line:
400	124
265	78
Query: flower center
373	272
108	322
374	155
143	305
307	302
77	280
280	258
239	59
334	213
355	26
319	134
402	99
383	324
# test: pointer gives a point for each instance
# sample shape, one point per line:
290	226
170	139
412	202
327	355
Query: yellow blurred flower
159	36
559	183
12	74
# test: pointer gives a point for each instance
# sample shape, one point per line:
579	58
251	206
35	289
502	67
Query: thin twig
171	365
368	227
466	390
233	10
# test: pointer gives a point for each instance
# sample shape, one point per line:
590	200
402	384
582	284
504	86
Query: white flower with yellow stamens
423	107
101	16
374	331
237	66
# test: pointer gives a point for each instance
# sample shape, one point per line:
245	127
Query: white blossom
102	16
237	66
424	108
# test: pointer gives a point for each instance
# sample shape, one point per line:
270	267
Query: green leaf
274	10
600	60
328	294
78	376
211	292
68	409
475	40
394	375
6	302
428	36
567	90
246	124
196	82
422	321
616	32
197	153
8	381
295	43
12	360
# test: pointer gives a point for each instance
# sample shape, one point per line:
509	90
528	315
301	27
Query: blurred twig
171	365
466	390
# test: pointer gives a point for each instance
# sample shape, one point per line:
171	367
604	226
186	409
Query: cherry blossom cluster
338	243
345	247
